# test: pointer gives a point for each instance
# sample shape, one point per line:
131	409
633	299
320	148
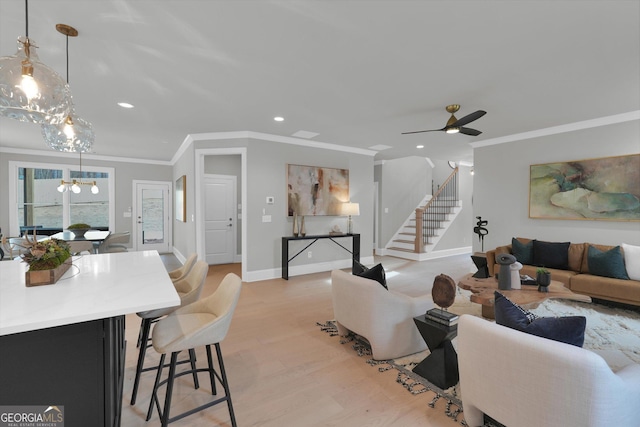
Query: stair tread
400	249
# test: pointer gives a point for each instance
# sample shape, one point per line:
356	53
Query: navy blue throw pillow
568	329
522	251
606	264
551	255
375	273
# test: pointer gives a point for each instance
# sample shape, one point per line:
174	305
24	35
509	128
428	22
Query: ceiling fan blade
421	131
468	119
469	131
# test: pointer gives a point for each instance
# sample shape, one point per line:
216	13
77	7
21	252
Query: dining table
94	236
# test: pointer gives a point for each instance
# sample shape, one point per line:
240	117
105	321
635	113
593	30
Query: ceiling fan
457	125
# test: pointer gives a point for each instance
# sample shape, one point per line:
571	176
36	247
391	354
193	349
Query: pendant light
30	91
75	185
74	134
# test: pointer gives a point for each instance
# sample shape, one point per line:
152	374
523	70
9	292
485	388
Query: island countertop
95	287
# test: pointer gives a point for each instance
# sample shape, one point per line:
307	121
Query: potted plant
48	260
543	279
79	229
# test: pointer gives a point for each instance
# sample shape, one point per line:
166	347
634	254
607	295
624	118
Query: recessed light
125	105
279	119
419	146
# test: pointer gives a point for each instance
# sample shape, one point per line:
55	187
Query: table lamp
350	209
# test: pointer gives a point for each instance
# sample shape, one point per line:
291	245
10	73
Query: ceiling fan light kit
456	125
30	91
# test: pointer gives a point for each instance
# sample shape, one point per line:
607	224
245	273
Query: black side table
441	366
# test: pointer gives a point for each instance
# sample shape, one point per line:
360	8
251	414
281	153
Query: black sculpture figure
481	230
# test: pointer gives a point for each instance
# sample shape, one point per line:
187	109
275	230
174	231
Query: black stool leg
212	375
144	328
225	384
154	393
167	399
192	359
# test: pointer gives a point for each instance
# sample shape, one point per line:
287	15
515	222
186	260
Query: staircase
425	226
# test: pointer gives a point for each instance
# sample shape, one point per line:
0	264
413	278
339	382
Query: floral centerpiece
79	229
48	261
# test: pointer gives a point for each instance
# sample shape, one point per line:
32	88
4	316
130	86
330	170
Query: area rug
414	383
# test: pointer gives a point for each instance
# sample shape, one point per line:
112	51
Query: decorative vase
543	280
303	232
295	224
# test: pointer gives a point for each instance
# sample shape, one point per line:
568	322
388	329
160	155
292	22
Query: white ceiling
356	72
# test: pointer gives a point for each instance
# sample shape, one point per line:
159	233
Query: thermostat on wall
270	200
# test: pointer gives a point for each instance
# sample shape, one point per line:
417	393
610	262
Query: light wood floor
283	371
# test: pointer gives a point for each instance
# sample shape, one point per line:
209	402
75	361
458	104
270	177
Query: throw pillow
522	251
606	264
375	273
551	255
569	329
632	260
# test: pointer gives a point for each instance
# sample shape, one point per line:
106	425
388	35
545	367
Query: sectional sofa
585	268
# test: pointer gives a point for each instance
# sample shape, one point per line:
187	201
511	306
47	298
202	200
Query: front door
152	216
220	218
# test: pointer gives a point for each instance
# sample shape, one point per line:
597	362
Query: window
33	187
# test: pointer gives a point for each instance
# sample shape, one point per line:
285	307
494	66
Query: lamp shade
31	91
352	209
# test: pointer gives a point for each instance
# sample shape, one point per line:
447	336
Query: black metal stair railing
430	216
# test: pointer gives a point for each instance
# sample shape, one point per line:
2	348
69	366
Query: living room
579	101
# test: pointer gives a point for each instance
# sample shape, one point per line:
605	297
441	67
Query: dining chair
189	290
200	324
116	242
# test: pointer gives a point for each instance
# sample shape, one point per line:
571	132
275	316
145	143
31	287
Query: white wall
405	182
502	186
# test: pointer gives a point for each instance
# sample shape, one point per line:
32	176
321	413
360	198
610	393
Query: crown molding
51	153
570	127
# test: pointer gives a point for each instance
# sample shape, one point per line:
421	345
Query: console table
355	252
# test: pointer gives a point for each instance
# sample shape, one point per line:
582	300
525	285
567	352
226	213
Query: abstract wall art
314	190
606	188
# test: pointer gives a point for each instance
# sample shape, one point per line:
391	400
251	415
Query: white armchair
383	317
528	381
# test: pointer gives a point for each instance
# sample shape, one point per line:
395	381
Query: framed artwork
606	188
314	190
181	199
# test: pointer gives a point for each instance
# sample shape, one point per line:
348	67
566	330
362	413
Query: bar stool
199	324
175	275
189	290
181	273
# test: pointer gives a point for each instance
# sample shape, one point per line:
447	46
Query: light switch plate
266	218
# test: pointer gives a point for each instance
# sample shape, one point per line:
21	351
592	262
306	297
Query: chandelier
74	134
30	91
75	185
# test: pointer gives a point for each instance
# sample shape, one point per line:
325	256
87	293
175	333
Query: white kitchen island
63	344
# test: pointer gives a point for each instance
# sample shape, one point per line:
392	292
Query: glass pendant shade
74	135
31	91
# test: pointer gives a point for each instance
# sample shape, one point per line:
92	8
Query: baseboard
299	270
179	255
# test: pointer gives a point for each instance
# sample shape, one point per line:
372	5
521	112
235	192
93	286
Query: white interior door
220	218
152	216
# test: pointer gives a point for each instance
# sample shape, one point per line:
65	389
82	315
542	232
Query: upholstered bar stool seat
189	290
201	324
181	273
